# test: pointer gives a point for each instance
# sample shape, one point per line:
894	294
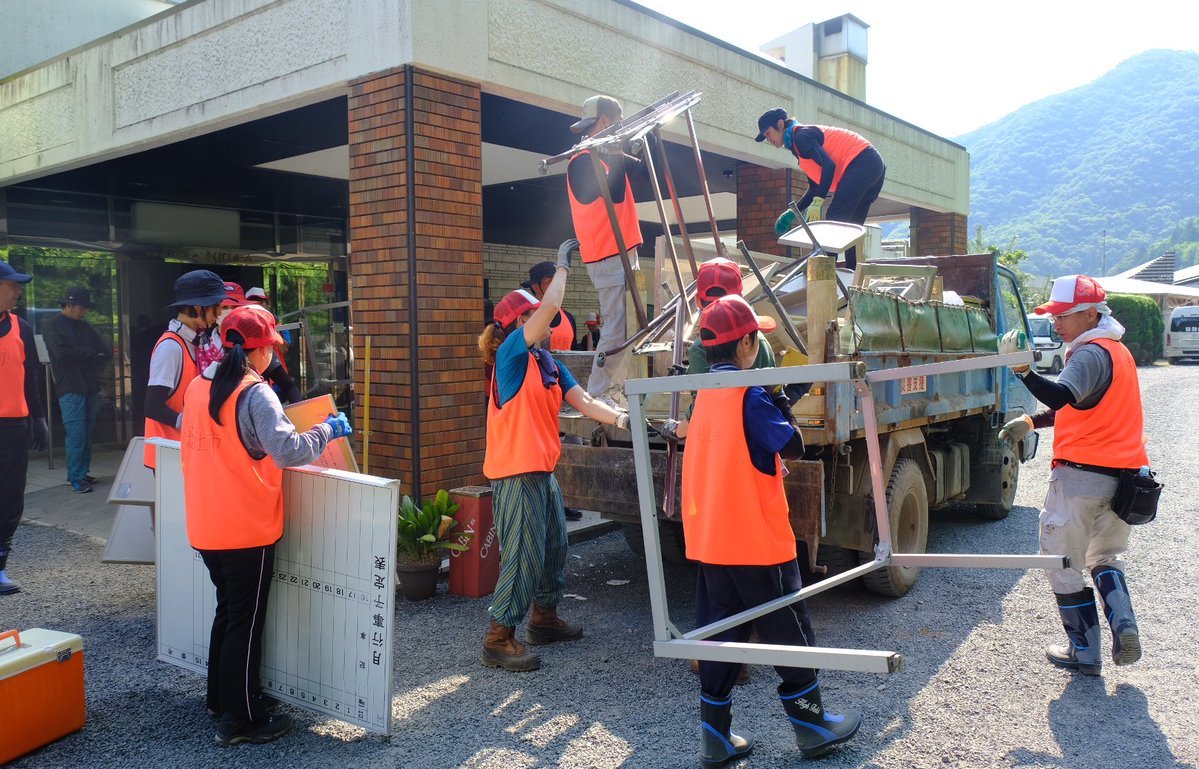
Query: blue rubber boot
1117	605
1080	618
718	745
817	730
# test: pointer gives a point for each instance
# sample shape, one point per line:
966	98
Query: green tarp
885	322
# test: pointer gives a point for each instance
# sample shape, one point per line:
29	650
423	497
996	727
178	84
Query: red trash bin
474	572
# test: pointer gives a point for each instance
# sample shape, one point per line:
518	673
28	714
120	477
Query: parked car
1047	342
1182	338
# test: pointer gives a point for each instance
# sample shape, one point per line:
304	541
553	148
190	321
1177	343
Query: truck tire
907	510
670	534
1009	478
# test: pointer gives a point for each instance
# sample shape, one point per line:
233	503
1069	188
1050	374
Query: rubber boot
1117	605
7	585
502	650
1080	618
817	730
717	743
546	627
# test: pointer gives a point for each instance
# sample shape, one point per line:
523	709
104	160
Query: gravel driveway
976	690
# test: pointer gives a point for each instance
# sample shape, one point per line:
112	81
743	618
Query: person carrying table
838	162
735	519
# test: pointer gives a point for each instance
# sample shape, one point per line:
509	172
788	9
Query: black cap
8	273
201	288
540	272
77	295
769	118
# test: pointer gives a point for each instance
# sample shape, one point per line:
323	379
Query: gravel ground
976	690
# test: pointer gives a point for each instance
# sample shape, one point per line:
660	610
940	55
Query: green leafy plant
1144	329
424	532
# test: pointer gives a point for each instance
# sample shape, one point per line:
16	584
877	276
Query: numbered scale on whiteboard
327	645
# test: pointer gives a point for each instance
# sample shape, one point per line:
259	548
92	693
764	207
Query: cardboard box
41	689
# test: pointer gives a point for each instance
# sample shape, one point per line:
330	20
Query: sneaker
231	732
91	479
81	487
572	514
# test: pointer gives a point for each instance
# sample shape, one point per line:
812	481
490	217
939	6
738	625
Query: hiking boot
7	584
1080	618
231	731
502	650
546	627
817	730
717	743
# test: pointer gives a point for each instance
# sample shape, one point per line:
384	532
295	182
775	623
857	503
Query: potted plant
423	534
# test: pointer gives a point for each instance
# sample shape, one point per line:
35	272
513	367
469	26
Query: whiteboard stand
132	537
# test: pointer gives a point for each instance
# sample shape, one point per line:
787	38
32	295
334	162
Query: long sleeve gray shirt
266	430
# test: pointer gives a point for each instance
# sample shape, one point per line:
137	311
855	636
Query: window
1184	323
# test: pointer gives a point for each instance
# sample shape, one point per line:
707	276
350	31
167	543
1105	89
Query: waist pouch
1136	496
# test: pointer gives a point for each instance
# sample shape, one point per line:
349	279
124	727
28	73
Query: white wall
36	30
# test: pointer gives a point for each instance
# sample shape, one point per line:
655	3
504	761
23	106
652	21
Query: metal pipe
874	453
678	207
817	658
703	181
788	326
601	178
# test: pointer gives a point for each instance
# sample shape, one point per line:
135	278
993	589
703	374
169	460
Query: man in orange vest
735	518
562	329
1098	430
838	163
597	240
198	298
22	419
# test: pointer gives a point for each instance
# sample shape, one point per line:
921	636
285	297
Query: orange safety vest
233	501
593	228
562	336
1112	433
522	435
12	372
842	145
154	428
733	514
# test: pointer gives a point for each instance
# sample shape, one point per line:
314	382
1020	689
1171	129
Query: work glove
785	223
39	434
564	252
622	421
339	423
669	430
1015	431
816	210
1014	341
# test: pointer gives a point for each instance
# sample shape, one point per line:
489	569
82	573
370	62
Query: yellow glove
816	210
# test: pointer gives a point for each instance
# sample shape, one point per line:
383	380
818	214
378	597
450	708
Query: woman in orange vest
735	519
1098	431
198	298
837	161
526	389
235	443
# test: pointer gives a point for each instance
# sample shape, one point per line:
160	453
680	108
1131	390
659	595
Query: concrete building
386	151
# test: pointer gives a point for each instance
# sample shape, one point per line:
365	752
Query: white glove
1014	341
622	421
669	430
1016	430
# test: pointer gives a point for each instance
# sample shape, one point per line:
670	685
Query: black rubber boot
718	745
1080	618
1117	605
817	730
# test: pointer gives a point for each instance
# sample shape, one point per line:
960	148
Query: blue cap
8	273
199	288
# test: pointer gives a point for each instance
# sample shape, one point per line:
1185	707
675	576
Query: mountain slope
1119	155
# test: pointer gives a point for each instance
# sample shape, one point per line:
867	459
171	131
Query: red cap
514	305
728	319
1070	291
255	324
235	296
717	273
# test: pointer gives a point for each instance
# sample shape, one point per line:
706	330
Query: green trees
1143	324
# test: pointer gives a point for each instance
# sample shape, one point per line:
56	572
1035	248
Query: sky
952	67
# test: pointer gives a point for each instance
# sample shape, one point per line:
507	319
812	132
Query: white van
1046	341
1182	337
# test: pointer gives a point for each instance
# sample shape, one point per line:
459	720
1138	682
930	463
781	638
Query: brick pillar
416	241
762	194
937	234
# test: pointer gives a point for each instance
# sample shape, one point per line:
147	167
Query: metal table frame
669	641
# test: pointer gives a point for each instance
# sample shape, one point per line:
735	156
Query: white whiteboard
327	646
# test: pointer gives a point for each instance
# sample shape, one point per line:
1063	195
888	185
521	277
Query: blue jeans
78	417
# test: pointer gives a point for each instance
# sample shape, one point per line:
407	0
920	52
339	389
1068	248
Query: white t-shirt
166	364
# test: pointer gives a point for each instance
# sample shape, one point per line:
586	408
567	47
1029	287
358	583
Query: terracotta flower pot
418	581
